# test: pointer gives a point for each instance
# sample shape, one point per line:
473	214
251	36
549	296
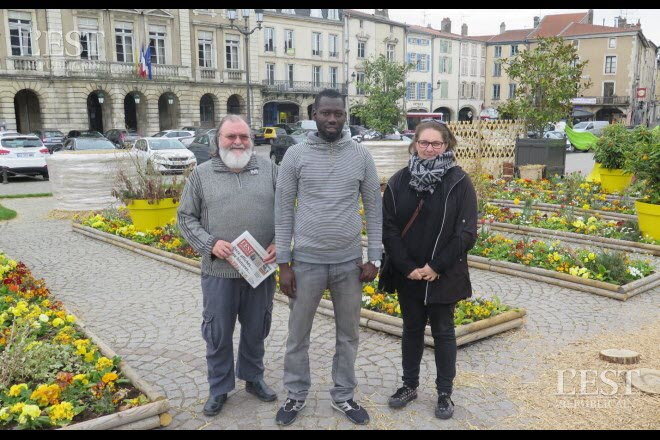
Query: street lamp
101	96
246	31
170	99
136	97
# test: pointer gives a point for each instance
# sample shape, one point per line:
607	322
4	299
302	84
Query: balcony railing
25	64
104	69
284	86
207	73
233	75
613	100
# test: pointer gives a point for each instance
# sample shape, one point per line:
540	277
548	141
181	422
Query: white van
595	127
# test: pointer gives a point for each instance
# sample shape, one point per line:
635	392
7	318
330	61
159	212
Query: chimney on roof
464	30
445	25
590	16
536	22
429	26
502	27
620	22
382	12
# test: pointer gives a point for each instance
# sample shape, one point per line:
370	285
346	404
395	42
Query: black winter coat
441	235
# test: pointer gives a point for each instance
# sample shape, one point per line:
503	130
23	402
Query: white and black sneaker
288	412
402	397
352	410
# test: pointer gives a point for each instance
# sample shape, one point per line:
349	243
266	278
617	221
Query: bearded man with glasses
429	225
223	197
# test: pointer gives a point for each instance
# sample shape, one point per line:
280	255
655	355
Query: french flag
143	64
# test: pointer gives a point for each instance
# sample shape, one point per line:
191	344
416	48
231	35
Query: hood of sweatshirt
314	140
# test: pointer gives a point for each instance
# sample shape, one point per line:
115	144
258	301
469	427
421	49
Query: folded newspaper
248	259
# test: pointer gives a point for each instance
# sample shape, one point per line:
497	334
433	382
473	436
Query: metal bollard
5	178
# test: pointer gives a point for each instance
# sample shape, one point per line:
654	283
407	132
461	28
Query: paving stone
150	313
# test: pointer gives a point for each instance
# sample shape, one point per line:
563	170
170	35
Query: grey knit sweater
326	179
220	204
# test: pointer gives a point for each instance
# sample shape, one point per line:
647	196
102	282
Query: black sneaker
445	408
402	397
287	414
352	410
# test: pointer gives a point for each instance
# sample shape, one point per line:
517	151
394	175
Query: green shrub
610	149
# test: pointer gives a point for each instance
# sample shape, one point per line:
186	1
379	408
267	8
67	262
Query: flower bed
571	191
603	273
475	318
51	374
614	234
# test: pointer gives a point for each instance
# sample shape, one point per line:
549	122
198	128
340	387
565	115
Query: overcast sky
487	21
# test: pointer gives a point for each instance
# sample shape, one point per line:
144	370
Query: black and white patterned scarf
426	173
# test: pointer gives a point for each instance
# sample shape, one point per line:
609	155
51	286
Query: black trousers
415	316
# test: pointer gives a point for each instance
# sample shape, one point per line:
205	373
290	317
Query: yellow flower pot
147	216
649	219
594	176
614	180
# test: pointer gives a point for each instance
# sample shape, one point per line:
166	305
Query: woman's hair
441	127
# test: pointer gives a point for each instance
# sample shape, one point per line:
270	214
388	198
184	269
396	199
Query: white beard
234	161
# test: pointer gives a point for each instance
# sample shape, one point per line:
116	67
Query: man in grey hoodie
223	197
325	175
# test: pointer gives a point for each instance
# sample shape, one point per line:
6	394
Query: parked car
190	128
279	146
168	155
83	133
122	138
300	135
287	127
595	127
185	136
373	135
88	144
203	146
357	130
267	135
9	133
52	139
23	154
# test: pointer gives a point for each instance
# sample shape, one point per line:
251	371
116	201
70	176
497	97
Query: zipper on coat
238	178
444	215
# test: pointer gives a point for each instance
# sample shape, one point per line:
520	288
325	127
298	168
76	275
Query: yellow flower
15	390
109	377
45	303
82	378
46	394
591	256
4	414
369	289
516	201
29	411
89	356
63	411
58	322
103	363
17	408
586	206
70	319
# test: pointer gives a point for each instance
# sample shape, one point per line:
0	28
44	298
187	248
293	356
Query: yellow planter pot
649	219
614	180
147	216
594	176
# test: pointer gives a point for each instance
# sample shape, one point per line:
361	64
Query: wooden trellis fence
491	142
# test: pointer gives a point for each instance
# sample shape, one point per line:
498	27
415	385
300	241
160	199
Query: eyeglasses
434	145
242	137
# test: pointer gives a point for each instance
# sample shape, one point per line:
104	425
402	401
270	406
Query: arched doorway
168	111
135	113
279	112
310	109
27	111
466	114
446	113
207	111
610	114
235	105
95	101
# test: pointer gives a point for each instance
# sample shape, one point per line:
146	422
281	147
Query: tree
383	87
547	78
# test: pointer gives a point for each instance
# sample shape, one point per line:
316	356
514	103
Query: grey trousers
224	300
343	280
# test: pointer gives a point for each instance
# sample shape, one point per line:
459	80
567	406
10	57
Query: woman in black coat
427	257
